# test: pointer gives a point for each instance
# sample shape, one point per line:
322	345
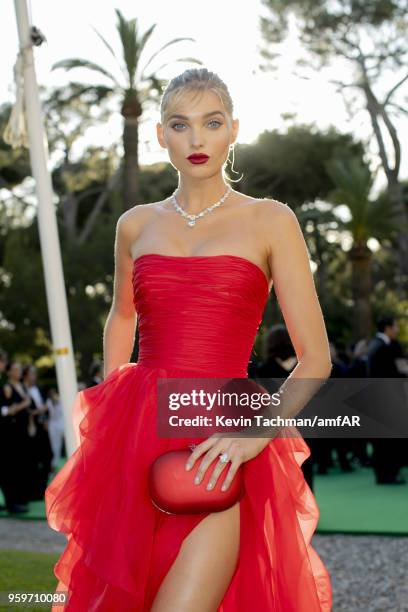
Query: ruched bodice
198	313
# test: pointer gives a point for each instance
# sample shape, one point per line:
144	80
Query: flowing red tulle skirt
120	547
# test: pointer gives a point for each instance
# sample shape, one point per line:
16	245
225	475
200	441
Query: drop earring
232	148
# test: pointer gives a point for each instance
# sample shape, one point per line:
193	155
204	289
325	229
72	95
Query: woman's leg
204	566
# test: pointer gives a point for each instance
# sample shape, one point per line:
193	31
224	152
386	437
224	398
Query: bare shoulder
265	209
131	222
276	215
274	209
138	214
279	224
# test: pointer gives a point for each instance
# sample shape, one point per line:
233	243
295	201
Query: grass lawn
24	572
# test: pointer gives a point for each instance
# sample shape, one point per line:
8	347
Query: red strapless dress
198	316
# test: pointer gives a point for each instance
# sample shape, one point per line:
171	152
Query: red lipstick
198	158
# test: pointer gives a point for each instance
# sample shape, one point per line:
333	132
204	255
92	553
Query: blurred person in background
280	356
253	364
342	446
3	364
55	426
96	374
357	368
41	452
14	442
383	353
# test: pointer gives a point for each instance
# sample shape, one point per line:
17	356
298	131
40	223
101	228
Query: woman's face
31	376
15	370
197	123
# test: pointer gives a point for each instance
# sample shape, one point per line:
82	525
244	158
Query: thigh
202	571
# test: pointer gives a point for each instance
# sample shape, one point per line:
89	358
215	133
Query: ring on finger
224	457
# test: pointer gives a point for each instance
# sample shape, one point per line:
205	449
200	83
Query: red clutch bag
173	491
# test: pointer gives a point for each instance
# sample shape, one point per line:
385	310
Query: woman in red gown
197	286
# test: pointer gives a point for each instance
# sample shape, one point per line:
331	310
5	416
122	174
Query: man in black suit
381	363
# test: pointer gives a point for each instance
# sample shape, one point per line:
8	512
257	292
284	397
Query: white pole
48	231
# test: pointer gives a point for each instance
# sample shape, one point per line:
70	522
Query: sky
227	41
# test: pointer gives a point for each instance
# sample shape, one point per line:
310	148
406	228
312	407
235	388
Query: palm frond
145	37
105	42
380	216
353	182
64	96
128	35
69	64
109	47
189	60
171	42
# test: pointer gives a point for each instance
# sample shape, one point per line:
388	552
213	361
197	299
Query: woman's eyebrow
177	116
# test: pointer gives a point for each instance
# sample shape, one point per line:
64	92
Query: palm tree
368	219
136	86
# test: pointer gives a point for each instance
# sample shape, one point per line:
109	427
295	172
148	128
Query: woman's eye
176	126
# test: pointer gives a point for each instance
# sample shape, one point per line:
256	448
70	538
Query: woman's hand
239	450
39	410
31	428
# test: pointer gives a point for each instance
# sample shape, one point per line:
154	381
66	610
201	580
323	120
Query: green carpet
348	502
351	502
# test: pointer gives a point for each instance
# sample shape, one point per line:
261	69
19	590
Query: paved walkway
30	535
369	573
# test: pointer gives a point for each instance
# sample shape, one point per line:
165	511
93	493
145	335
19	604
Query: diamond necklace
193	218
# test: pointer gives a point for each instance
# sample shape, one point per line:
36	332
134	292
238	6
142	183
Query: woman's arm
16	407
120	326
295	291
296	294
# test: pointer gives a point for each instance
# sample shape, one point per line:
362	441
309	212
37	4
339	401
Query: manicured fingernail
188	466
223	488
209	486
196	480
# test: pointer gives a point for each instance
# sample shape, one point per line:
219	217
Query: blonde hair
195	80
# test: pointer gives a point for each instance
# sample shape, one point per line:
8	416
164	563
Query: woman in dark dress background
14	443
